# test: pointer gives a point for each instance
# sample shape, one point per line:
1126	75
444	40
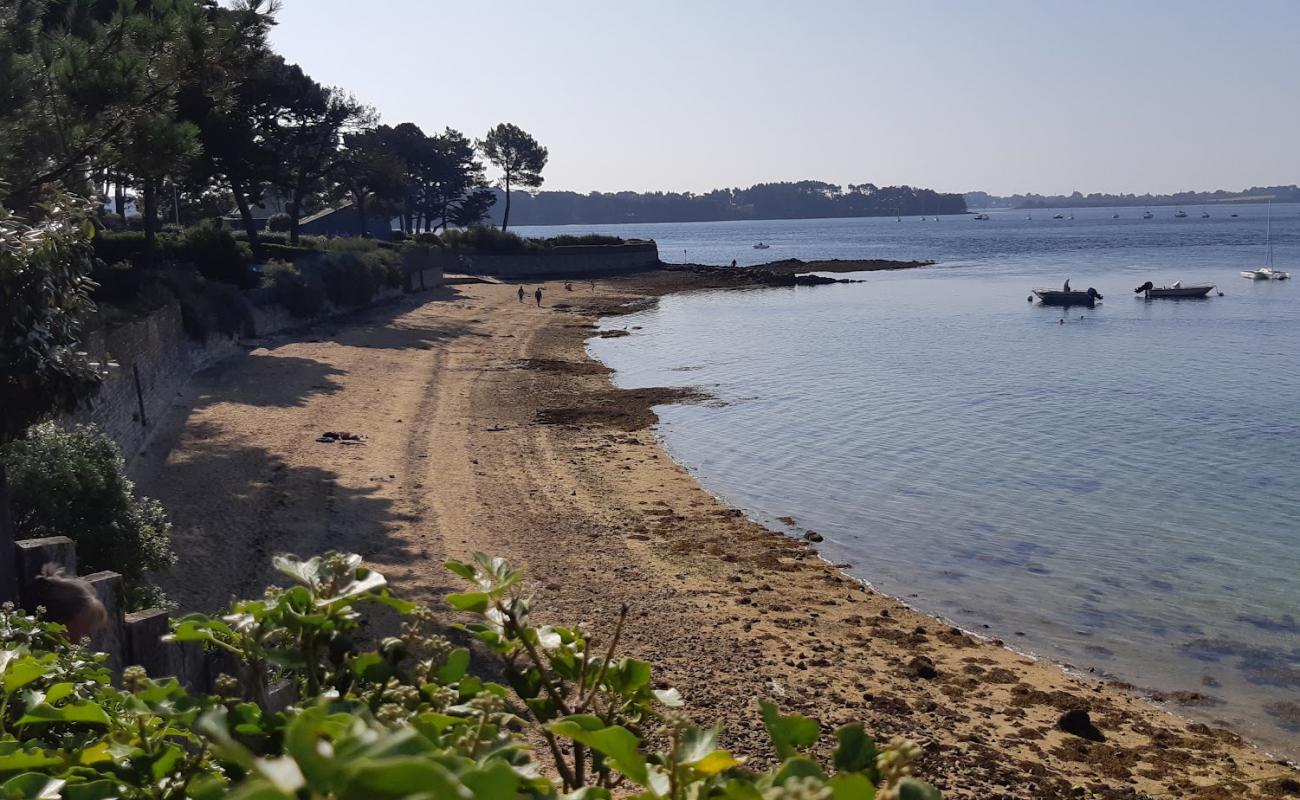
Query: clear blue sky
1000	95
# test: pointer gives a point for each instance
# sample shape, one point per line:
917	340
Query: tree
233	94
371	173
153	147
308	136
74	76
44	291
519	157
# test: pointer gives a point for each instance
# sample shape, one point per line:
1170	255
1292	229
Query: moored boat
1266	272
1174	290
1068	297
761	246
981	217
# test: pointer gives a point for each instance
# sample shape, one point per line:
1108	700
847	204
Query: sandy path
488	429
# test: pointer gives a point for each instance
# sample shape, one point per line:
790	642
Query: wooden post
111	637
8	557
30	555
139	395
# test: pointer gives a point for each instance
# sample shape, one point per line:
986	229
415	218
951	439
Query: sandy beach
488	429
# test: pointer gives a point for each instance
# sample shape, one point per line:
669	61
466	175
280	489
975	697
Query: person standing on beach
521	293
538	294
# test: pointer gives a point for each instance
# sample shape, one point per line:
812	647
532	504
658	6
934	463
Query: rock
923	668
1076	722
813	536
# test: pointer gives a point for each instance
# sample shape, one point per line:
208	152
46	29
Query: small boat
1205	215
1068	297
1058	216
761	246
981	217
1181	214
1148	215
1174	290
1029	217
1234	216
1114	216
1266	272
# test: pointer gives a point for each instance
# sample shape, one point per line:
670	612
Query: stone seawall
563	262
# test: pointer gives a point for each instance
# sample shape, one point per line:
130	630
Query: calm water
1120	492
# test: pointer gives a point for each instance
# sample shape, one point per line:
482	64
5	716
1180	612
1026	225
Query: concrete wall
560	262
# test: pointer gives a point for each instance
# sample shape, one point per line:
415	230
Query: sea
1116	488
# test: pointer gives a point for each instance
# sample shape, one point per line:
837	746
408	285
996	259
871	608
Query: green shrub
569	240
343	244
278	223
214	252
73	483
117	283
350	279
209	307
388	265
113	248
112	221
400	717
303	298
486	239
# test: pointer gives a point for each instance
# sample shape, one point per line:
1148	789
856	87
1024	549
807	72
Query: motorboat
981	217
1205	215
1068	297
1180	214
1058	216
761	246
1148	215
1114	216
1174	290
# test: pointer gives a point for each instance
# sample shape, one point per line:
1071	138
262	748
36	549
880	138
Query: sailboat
1266	272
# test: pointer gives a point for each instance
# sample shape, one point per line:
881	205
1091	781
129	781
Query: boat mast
1268	237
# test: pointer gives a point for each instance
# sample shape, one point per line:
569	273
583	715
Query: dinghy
1174	290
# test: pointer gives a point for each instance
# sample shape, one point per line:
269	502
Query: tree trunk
119	197
246	215
150	220
505	220
8	577
360	202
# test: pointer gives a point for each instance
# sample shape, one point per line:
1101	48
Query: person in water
538	294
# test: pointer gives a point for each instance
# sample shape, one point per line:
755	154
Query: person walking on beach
538	294
521	293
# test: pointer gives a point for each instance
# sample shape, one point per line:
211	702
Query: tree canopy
519	157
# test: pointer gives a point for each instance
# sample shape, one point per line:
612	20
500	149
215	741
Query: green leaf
912	789
456	666
32	786
371	667
95	790
616	743
855	752
798	767
32	759
496	779
22	672
460	568
851	786
788	732
628	675
400	777
476	602
85	713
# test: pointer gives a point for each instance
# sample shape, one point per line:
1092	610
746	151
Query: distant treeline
1281	194
798	200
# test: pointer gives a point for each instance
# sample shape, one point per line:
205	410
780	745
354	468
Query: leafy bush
303	297
401	717
278	223
208	307
112	248
214	252
73	483
485	239
112	221
569	240
350	279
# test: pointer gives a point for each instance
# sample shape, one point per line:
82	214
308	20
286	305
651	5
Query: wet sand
488	429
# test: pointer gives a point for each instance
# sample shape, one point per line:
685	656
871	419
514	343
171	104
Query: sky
1003	96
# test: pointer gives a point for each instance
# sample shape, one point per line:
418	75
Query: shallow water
1119	492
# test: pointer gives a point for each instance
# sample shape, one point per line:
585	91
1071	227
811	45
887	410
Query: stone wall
152	358
561	262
